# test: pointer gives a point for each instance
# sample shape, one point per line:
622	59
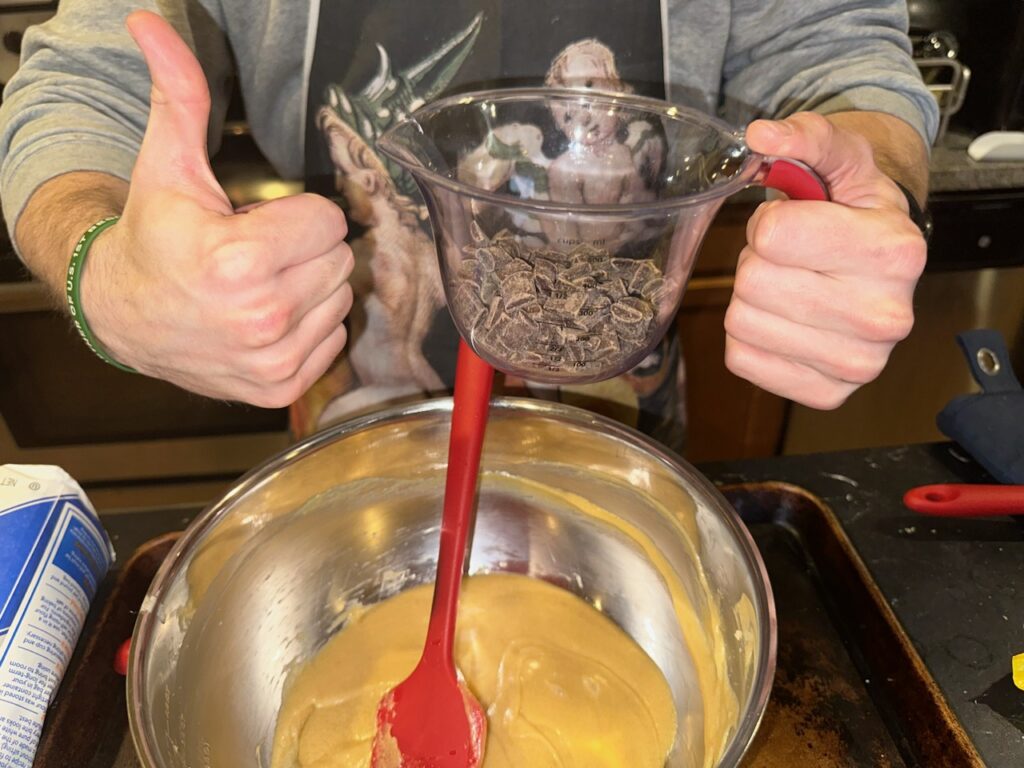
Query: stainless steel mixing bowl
265	576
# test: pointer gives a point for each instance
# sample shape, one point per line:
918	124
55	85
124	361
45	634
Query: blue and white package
53	555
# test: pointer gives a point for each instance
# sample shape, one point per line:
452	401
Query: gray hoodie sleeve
80	99
784	56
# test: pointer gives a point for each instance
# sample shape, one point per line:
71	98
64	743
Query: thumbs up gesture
242	305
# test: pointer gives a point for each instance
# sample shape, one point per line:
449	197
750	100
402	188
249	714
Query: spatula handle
473	380
962	500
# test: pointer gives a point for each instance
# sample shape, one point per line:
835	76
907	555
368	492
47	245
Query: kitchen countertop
952	583
952	170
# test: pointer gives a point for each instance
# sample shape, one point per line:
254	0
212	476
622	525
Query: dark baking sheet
849	690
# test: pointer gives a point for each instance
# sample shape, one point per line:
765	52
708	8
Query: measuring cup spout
407	145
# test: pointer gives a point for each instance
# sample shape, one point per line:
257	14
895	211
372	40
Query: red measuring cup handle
797	180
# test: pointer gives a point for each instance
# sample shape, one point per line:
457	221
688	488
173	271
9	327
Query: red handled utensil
430	720
965	500
795	178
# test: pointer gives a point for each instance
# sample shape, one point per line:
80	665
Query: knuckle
764	231
264	327
814	120
264	399
279	368
735	321
331	213
339	265
907	255
348	260
826	395
259	396
859	368
342	338
234	266
290	391
747	279
735	358
830	399
279	396
816	124
887	323
346	300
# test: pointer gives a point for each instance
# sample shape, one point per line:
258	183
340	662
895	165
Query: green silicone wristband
73	290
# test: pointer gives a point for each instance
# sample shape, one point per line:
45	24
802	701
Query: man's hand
823	291
243	305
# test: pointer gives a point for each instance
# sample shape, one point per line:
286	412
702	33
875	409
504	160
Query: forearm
57	215
849	61
74	114
899	151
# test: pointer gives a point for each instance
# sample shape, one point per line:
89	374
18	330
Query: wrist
98	287
916	212
55	217
897	149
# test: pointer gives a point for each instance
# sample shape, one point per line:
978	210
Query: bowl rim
752	712
752	166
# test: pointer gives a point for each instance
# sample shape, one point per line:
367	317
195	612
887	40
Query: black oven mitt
989	425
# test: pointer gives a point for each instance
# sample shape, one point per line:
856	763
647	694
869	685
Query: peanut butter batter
561	683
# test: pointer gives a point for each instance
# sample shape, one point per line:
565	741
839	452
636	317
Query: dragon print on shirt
401	340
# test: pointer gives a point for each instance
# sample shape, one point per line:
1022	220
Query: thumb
174	150
844	159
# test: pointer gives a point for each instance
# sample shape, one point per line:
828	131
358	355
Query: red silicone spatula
429	720
966	500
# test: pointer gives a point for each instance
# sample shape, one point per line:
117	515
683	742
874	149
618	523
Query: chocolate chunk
468	304
486	258
476	233
513	266
654	289
576	272
631	317
567	304
582	311
468	270
645	272
616	289
495	312
544	273
517	289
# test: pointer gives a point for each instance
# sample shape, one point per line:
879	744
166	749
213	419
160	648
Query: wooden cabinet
59	404
728	417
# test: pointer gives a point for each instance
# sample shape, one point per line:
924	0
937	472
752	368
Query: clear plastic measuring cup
567	220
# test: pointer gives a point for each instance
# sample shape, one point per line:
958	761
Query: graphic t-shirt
374	63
